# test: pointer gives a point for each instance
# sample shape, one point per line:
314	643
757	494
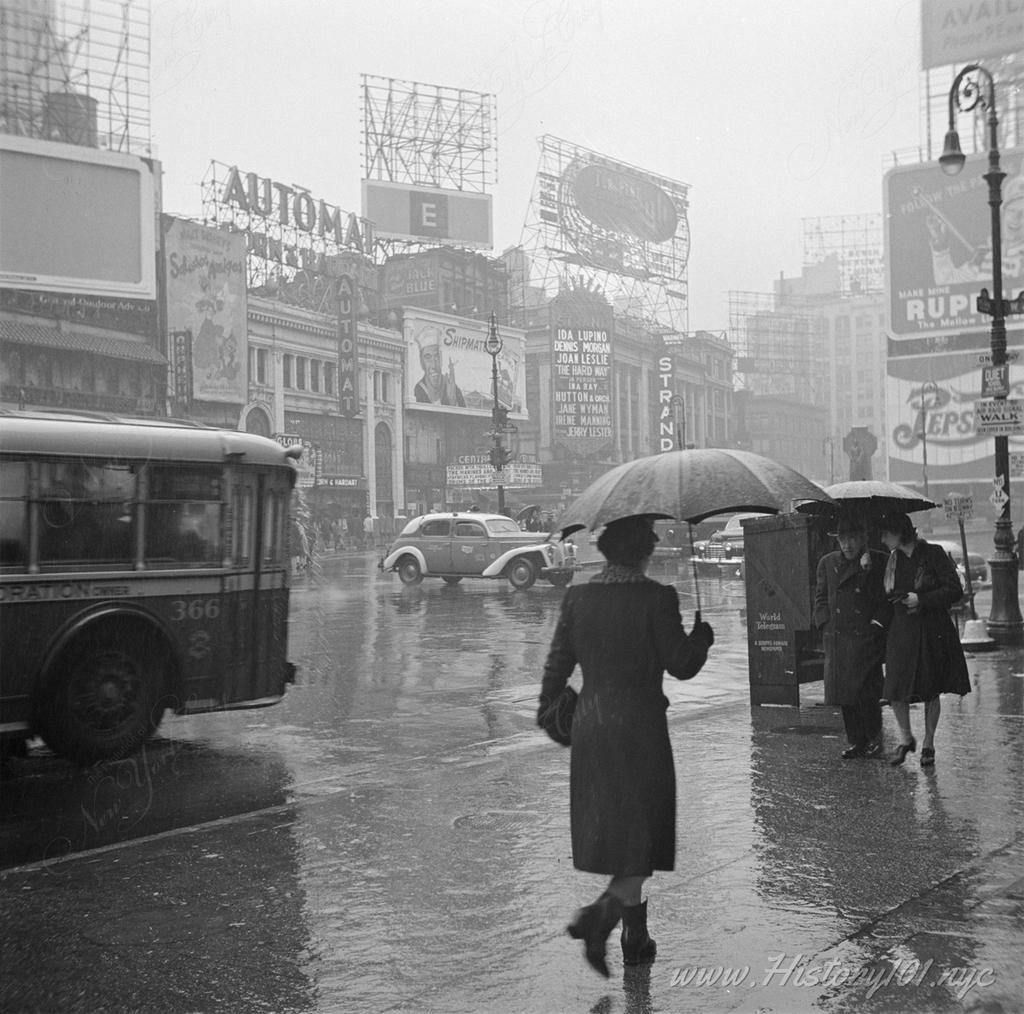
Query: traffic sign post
960	506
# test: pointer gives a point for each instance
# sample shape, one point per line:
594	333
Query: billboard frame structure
426	135
612	225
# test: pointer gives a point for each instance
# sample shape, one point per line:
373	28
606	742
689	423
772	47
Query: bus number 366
195	609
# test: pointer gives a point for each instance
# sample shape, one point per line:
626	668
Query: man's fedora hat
846	526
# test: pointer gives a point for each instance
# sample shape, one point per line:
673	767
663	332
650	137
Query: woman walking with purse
625	631
923	656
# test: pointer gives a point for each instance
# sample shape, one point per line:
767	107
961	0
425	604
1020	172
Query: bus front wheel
105	697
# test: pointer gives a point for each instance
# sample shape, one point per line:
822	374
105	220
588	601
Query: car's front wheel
409	570
522	573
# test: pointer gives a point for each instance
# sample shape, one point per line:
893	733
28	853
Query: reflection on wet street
394	835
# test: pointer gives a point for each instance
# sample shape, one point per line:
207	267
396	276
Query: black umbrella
689	485
868	500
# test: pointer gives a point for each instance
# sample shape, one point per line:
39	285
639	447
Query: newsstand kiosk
781	555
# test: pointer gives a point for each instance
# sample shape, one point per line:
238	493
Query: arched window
257	422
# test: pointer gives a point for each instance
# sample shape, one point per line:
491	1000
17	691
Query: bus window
243	524
183	517
86	513
13	503
273	522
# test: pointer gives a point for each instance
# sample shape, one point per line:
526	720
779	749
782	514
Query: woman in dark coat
624	631
923	656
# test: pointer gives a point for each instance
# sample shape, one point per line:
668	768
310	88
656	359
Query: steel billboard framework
426	135
643	276
77	71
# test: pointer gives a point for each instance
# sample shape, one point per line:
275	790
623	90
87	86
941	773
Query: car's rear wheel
451	580
409	570
561	580
522	573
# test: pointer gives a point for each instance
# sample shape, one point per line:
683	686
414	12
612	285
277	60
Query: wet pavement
394	837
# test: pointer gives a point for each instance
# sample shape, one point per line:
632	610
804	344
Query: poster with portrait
205	285
448	367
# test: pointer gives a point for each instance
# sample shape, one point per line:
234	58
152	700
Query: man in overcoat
851	608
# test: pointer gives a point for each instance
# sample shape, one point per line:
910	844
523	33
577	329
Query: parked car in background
977	562
723	551
455	545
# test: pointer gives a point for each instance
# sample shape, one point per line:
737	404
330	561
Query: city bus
143	566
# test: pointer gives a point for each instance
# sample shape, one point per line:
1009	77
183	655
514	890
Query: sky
772	111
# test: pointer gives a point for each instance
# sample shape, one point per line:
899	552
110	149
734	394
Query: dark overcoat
923	655
624	637
851	608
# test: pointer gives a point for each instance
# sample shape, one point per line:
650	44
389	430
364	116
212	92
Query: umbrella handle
693	563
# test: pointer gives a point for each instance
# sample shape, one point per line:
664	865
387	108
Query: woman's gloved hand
702	631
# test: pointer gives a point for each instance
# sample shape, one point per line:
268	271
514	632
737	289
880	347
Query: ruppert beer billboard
939	243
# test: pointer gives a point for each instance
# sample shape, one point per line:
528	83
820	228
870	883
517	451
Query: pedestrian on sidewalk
923	657
625	631
853	613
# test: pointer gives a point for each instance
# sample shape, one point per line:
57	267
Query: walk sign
998	417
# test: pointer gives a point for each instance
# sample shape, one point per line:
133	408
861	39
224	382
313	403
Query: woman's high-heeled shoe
927	756
592	924
901	752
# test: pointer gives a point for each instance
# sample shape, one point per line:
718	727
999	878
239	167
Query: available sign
999	417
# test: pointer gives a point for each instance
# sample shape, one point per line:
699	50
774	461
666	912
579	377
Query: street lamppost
928	387
499	416
972	87
829	444
679	412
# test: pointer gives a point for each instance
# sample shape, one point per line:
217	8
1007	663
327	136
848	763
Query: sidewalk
859	887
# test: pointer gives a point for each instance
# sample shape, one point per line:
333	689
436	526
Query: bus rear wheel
105	697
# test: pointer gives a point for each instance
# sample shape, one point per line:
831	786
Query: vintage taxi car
452	546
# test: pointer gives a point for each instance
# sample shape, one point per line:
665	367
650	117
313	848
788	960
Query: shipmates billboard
448	367
939	243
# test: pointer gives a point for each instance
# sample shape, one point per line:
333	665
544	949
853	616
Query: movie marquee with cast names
581	387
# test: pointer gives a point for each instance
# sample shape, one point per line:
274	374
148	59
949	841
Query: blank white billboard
75	219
